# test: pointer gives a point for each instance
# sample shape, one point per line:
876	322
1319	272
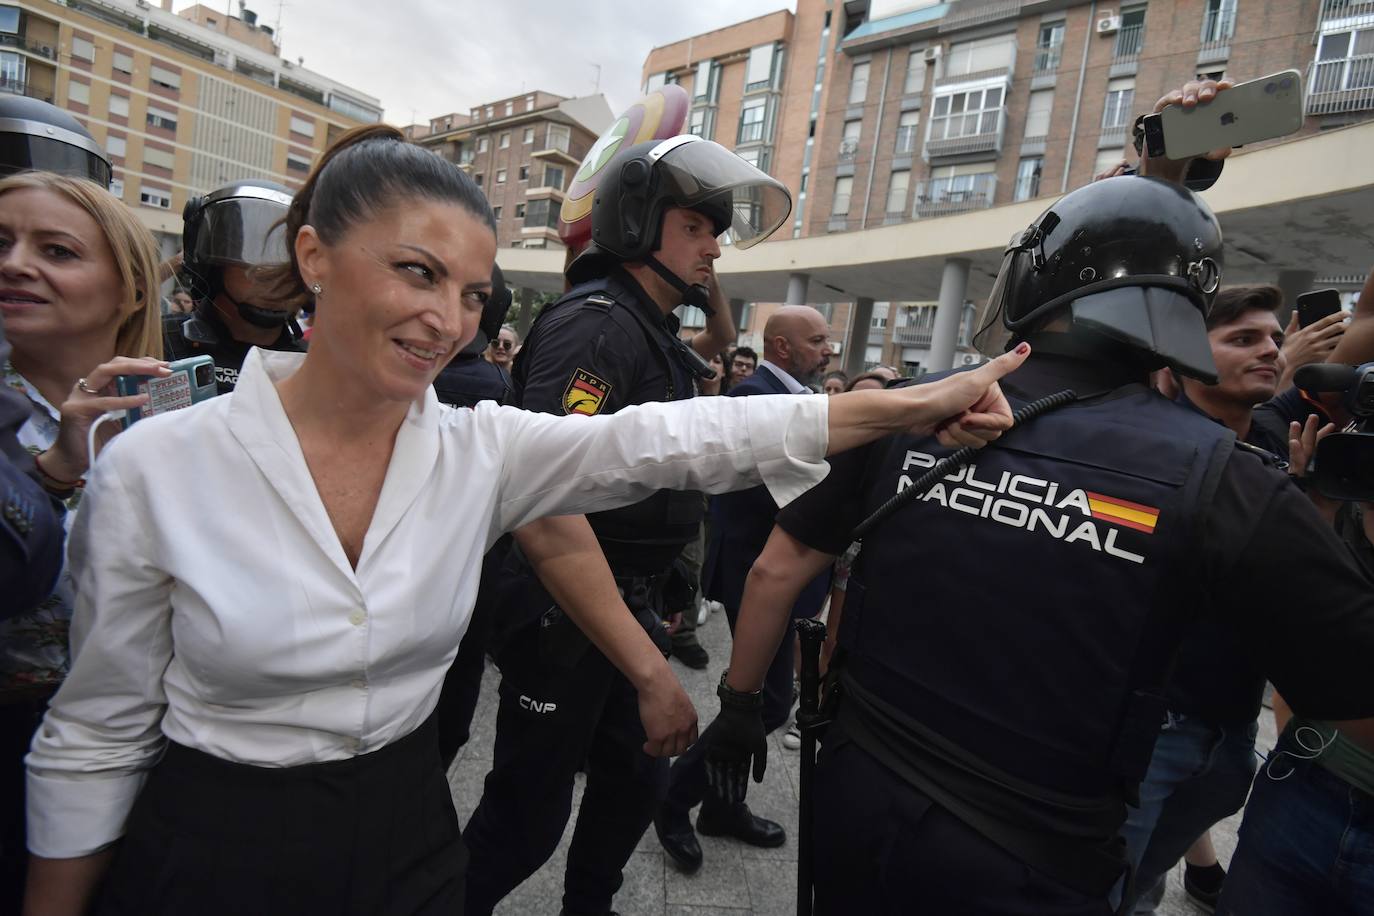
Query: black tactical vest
1023	614
646	537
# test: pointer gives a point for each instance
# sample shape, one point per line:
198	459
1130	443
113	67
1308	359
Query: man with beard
796	348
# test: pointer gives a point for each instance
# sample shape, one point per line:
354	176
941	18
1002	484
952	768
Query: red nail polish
1022	349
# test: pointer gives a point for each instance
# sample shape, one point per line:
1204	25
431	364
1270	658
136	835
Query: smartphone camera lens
1271	88
205	374
1286	83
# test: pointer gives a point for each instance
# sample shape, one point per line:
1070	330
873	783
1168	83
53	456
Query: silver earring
316	288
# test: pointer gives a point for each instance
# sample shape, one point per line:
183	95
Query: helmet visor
994	336
747	202
243	230
21	152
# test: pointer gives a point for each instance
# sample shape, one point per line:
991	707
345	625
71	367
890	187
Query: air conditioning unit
1108	24
933	53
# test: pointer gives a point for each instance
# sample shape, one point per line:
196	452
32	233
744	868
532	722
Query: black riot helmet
239	225
37	136
493	315
643	181
1135	259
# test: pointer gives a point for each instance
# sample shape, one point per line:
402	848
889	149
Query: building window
496	213
849	140
9	20
159	199
751	121
303	126
161	117
1038	114
117	187
915	72
759	72
1116	113
959	186
477	179
896	191
489	111
124	63
843	188
558	137
524	173
510	108
750	156
119	105
529	135
161	158
296	163
483	143
519	211
529	103
1048	47
1345	60
1106	161
655	81
553	178
116	146
696	122
505	140
704	84
966	114
164	78
996	53
76	92
1218	22
82	49
858	84
908	127
1028	178
1131	38
541	214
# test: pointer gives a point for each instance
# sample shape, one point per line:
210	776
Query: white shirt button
357	618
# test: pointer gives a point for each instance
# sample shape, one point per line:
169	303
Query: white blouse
216	607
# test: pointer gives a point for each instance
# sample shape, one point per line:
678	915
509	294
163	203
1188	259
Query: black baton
810	723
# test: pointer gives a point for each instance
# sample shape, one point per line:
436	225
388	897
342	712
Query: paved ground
736	879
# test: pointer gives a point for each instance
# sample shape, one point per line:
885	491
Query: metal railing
907	138
1218	28
1346	9
915	336
959	194
19	41
849	148
973	143
969	13
1047	59
1340	85
22	87
1129	41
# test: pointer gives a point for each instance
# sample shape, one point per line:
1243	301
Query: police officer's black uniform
991	728
604	346
236	225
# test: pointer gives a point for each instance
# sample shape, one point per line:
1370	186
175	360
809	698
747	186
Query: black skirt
376	834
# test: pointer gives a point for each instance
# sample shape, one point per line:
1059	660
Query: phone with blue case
192	381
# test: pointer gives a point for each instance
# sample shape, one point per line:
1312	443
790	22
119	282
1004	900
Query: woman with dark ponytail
271	584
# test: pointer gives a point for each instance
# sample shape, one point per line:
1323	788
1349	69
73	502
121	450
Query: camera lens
1286	83
1271	88
205	374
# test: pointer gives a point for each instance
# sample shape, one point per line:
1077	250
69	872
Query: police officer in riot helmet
988	732
37	136
226	234
609	343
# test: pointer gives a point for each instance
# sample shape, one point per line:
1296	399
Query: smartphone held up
1261	109
191	381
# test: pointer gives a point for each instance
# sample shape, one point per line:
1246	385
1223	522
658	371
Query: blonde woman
78	298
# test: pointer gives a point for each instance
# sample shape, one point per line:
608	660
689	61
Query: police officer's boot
679	840
719	819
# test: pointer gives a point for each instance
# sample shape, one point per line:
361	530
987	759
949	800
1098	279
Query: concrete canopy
1307	205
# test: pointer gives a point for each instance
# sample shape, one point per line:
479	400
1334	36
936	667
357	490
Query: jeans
1199	774
1306	845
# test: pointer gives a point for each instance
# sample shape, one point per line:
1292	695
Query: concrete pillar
525	296
796	289
737	315
1293	283
953	286
860	320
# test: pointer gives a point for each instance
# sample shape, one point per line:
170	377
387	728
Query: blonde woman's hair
135	256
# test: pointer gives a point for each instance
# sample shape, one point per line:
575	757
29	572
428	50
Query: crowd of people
239	651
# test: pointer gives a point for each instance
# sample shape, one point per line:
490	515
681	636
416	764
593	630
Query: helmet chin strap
258	316
692	294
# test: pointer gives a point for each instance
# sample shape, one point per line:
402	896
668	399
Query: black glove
734	740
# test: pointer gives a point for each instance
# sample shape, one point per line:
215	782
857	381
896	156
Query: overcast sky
431	57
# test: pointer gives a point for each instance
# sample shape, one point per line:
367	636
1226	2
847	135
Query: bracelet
738	699
65	488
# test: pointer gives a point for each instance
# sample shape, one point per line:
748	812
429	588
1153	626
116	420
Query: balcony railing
969	13
959	194
1345	84
907	138
1129	41
22	87
1346	9
1047	59
914	336
849	148
18	41
1218	27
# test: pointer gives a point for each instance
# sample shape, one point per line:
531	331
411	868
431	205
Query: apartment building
182	103
523	152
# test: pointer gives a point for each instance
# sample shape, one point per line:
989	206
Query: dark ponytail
363	173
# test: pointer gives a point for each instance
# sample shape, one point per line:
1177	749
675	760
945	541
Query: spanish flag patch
585	394
1121	512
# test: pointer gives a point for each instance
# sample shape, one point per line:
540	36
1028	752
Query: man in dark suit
796	346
